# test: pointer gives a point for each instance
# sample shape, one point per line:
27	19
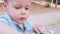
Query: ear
4	5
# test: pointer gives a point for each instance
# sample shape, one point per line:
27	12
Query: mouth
22	19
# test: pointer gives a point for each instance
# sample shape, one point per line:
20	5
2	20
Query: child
16	13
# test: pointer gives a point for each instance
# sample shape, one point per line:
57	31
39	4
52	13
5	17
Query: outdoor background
44	12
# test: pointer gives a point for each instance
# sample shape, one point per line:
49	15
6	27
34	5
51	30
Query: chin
21	22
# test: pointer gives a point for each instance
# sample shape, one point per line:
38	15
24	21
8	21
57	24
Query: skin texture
19	11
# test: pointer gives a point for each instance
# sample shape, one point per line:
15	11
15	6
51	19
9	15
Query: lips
22	19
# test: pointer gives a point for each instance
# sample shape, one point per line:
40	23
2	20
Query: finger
36	30
38	27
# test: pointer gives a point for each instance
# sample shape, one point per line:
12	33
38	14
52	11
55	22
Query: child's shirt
5	18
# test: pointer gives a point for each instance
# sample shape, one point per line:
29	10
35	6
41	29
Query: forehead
20	1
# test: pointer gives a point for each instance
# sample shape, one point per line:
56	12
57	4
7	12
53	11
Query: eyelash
26	8
20	7
17	7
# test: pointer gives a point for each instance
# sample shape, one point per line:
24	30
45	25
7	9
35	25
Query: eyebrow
27	5
16	4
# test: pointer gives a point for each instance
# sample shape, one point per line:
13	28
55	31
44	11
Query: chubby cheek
13	14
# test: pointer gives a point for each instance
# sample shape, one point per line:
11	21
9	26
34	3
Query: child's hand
37	28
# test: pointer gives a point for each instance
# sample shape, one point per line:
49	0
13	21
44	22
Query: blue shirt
5	18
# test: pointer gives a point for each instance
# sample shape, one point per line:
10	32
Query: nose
23	11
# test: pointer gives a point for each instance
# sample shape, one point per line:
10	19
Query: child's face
18	10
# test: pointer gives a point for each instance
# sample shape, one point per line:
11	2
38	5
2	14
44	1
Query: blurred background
44	12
